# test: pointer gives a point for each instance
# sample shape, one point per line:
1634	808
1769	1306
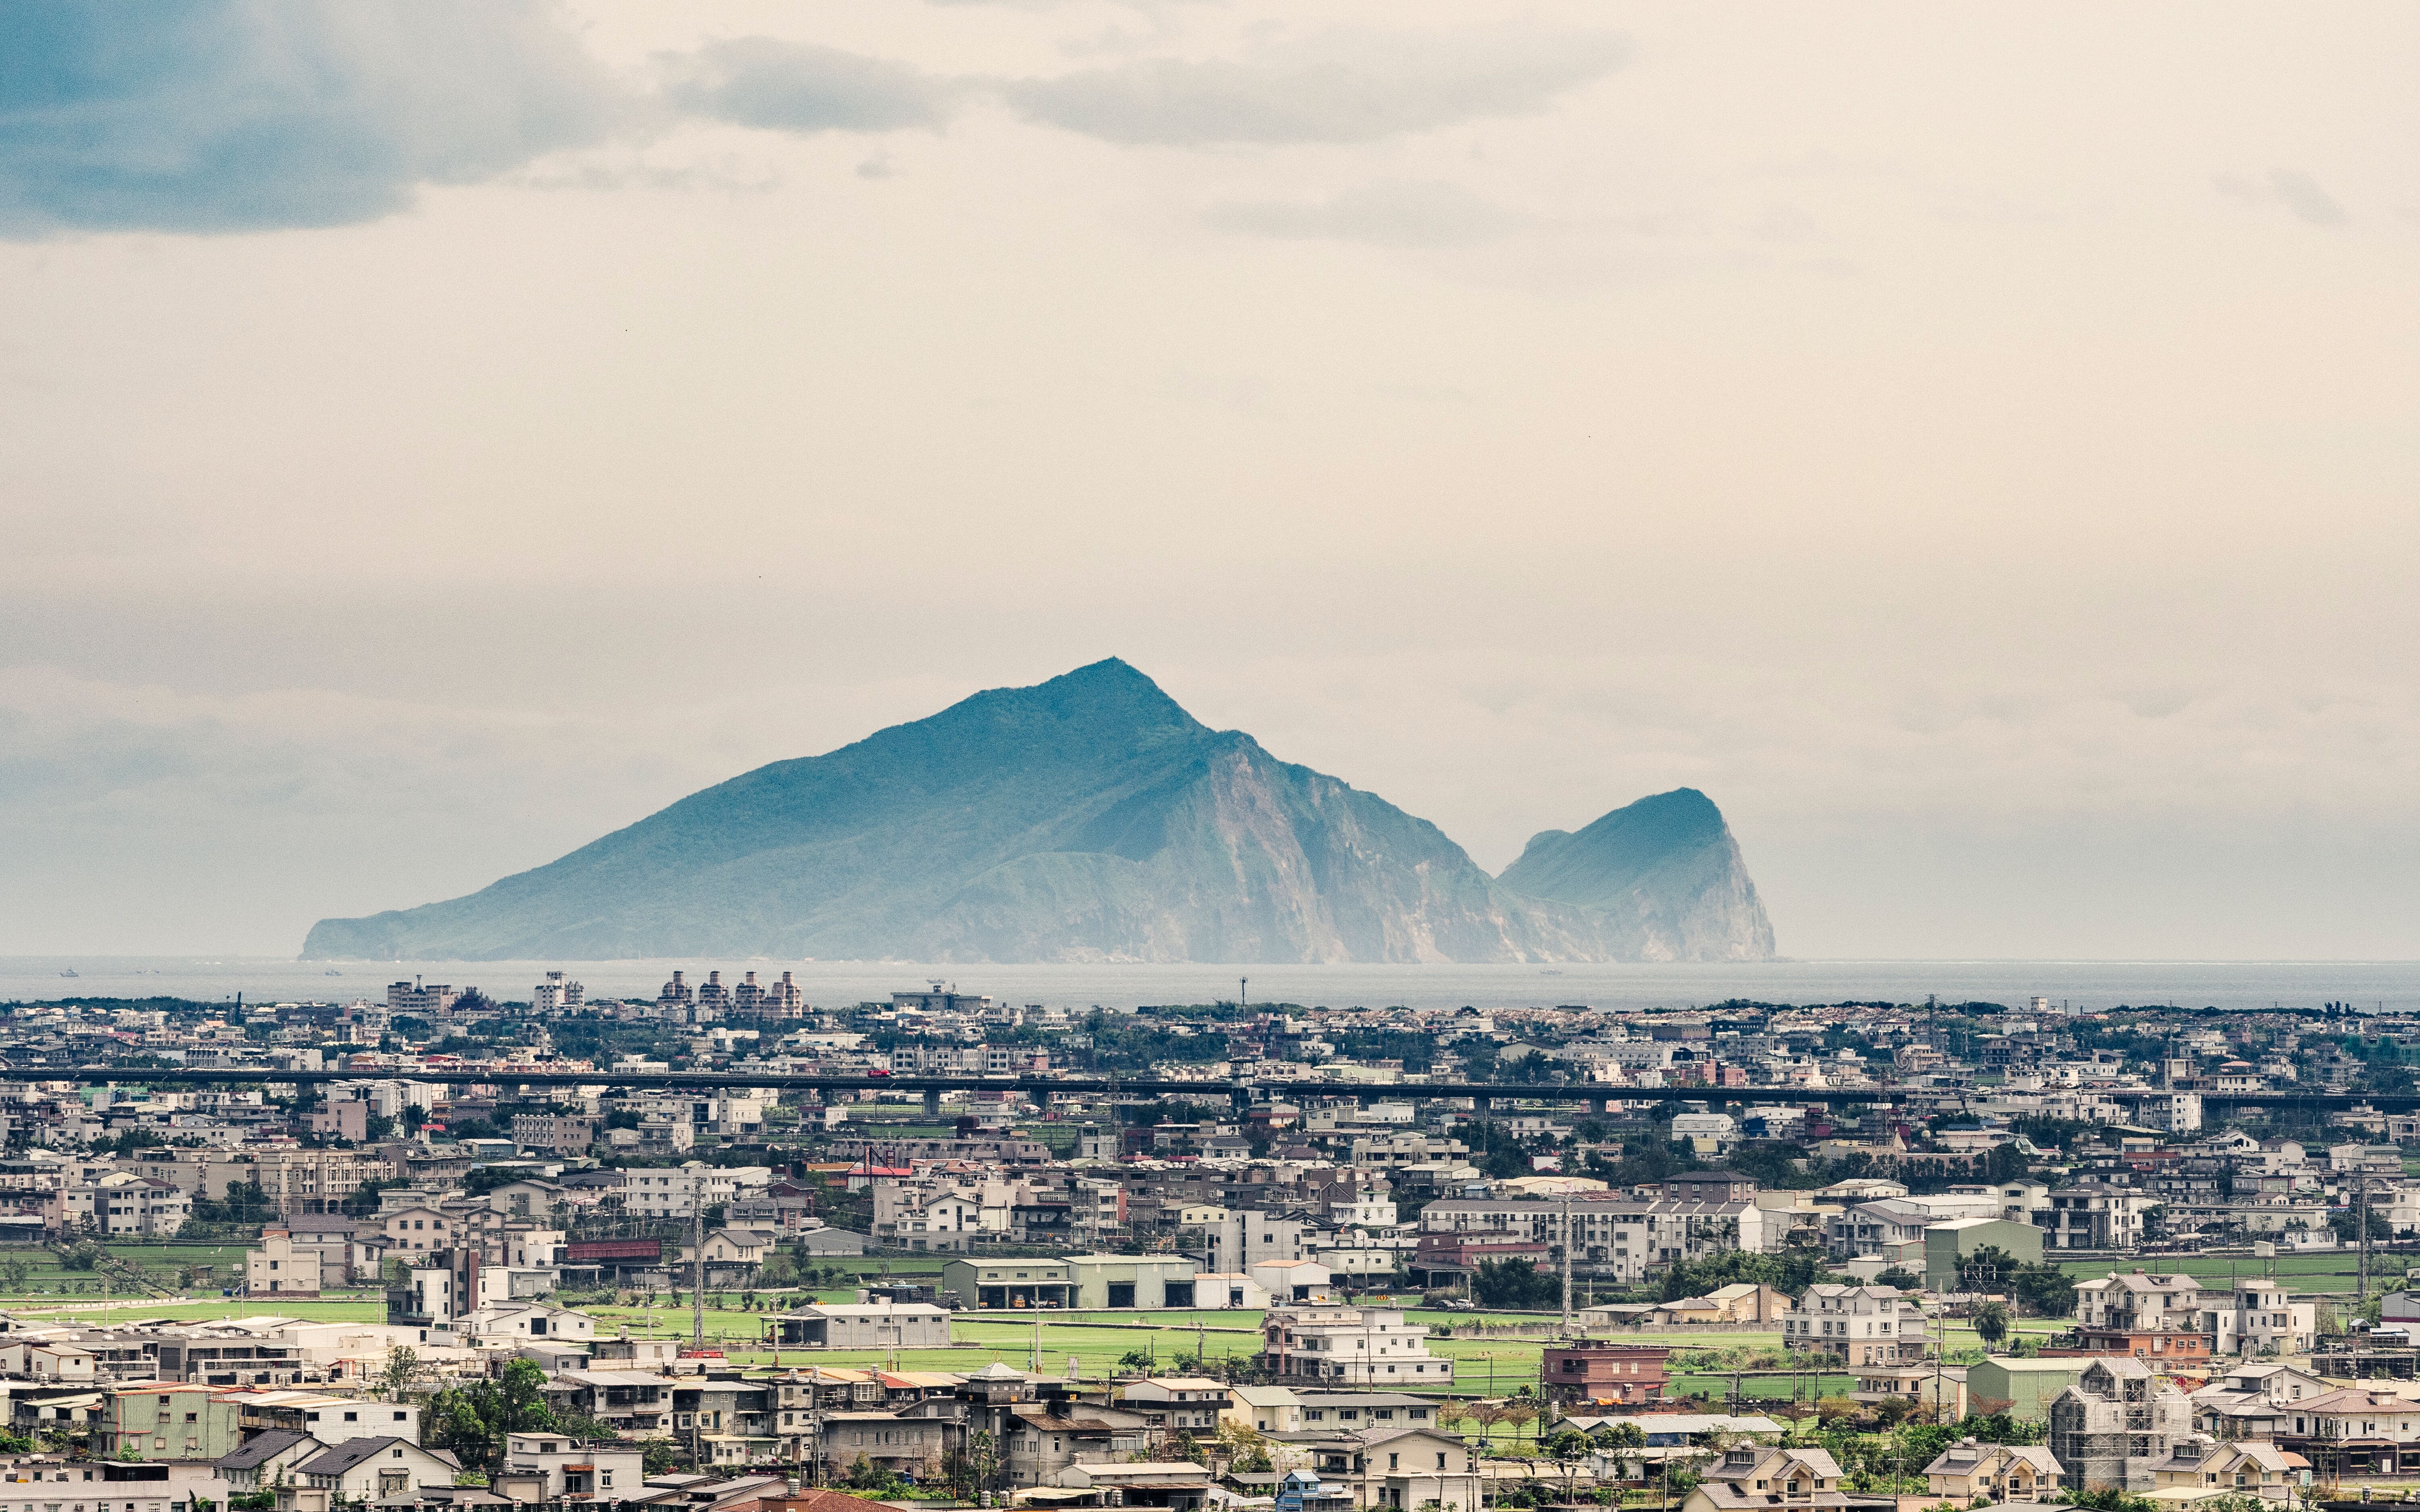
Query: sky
1977	446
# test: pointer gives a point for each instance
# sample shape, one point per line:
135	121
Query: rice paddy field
2334	1270
1487	1363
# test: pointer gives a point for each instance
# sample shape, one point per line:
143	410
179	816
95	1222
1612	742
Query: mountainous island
1088	818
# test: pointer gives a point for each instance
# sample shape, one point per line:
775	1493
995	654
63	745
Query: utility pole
1568	1242
2361	1217
697	1265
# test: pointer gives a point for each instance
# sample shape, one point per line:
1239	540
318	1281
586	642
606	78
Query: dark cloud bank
229	115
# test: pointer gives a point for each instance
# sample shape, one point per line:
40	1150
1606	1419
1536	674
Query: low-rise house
1178	1404
2254	1401
601	1472
1404	1468
1045	1439
1264	1409
1761	1477
1994	1472
520	1322
2357	1431
267	1459
2244	1469
1939	1389
1605	1372
333	1420
637	1403
376	1470
732	1254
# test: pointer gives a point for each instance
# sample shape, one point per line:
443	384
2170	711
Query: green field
94	1311
2335	1270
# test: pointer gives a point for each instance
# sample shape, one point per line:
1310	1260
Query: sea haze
2086	984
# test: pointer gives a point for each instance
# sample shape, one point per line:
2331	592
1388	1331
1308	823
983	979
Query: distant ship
69	972
332	972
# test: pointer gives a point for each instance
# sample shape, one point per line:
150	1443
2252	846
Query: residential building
1967	1470
1865	1325
2202	1465
1751	1477
2093	1217
376	1470
1363	1346
165	1421
1604	1373
1178	1404
568	1469
2116	1423
281	1266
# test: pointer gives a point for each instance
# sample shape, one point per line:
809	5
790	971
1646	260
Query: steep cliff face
1667	867
1086	818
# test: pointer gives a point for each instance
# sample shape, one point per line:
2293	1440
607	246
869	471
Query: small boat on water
69	972
332	972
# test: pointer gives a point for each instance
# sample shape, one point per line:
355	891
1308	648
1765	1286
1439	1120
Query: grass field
2335	1270
93	1311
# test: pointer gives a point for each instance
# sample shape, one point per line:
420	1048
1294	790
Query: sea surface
2389	986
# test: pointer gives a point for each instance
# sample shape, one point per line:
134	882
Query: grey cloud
1384	215
794	87
1342	87
217	116
2297	190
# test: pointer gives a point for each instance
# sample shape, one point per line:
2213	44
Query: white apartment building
1629	1237
680	1191
1236	1239
1350	1346
917	1216
2257	1321
281	1267
2092	1217
1865	1325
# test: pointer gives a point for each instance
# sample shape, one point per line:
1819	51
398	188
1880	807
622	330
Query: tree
1991	1321
2044	1290
2348	1223
1515	1285
1901	1277
1520	1414
472	1420
84	1254
1791	1272
395	1382
2107	1497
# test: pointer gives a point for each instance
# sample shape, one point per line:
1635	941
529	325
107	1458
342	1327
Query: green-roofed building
2026	1385
1949	1245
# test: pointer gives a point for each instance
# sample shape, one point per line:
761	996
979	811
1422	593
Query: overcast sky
1976	445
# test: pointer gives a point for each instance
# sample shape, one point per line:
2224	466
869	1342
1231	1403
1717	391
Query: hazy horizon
1977	449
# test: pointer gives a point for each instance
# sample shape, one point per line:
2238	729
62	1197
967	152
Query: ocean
2390	986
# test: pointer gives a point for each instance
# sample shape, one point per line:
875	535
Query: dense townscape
468	1249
